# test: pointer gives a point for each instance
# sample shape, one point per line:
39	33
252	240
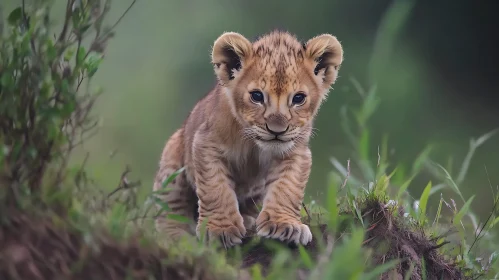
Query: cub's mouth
273	140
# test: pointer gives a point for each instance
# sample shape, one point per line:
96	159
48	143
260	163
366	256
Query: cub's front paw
284	228
229	232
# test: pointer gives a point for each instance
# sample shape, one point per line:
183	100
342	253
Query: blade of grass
459	216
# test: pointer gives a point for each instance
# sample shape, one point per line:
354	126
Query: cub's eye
299	99
257	96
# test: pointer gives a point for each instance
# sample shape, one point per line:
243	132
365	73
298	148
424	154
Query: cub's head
276	84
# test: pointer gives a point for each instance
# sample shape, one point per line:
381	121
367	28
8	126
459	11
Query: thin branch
347	176
120	18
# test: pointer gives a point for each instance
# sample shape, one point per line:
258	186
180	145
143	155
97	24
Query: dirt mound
33	247
38	247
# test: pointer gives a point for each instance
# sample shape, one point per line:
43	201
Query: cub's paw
283	228
249	222
230	233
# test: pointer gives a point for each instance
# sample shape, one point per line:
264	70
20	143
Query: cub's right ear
230	51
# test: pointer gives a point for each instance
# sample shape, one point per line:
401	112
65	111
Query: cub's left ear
326	53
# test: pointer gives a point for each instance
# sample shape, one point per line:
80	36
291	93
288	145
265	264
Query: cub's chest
248	167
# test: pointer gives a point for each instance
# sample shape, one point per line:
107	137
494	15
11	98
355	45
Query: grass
54	222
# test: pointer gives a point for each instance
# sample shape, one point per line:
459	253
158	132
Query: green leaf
92	63
439	210
256	272
81	55
69	54
307	261
380	269
178	218
84	28
496	221
364	145
6	80
15	16
51	51
162	191
422	157
404	186
452	183
162	204
65	86
493	258
172	177
423	201
409	273
332	206
459	216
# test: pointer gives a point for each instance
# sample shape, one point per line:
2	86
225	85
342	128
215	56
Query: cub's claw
286	229
230	234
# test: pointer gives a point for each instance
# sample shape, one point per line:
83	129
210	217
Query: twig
348	175
121	183
496	202
64	30
306	211
120	18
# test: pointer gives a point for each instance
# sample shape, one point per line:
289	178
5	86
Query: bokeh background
435	70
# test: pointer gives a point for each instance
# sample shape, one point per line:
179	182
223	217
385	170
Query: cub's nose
276	129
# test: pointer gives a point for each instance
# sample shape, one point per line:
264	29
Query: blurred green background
429	67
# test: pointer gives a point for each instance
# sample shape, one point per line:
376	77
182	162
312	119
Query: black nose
276	133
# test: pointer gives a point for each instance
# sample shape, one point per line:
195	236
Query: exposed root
390	239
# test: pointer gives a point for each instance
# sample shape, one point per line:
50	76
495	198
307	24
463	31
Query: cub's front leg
218	205
280	215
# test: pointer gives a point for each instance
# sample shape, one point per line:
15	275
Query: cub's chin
277	147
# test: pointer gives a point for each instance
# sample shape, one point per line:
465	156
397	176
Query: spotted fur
234	158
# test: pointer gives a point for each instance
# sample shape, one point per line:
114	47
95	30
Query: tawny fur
233	162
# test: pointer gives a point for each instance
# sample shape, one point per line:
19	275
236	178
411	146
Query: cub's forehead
278	59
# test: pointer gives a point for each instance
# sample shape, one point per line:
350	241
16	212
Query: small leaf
404	186
332	204
51	51
364	145
422	157
69	54
459	216
493	258
5	80
162	191
423	201
178	218
307	261
81	55
380	269
439	210
409	273
15	16
162	204
453	184
496	221
172	177
84	28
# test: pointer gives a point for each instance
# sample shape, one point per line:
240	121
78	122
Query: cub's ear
230	51
326	54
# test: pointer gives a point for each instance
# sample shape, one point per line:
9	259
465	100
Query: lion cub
245	144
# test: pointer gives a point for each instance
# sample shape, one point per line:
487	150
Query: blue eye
298	99
257	96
